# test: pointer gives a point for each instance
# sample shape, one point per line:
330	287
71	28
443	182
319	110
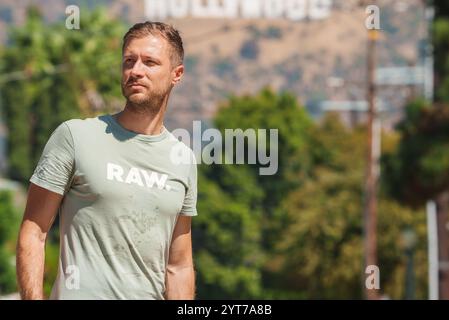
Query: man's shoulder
81	125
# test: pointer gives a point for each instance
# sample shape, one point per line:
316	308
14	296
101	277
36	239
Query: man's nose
137	69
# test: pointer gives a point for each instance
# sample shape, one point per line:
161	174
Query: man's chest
126	176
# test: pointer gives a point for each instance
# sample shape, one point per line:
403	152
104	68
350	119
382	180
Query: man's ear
178	72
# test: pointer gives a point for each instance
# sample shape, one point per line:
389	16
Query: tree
227	236
250	50
320	254
418	170
8	224
49	74
237	226
441	49
62	74
282	112
268	110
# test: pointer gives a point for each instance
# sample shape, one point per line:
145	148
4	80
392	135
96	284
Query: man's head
152	64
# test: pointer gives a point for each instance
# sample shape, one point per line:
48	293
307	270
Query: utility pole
437	286
372	172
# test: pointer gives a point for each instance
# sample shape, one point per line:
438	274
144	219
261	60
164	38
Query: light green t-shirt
123	193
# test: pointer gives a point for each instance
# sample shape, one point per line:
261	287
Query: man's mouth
136	85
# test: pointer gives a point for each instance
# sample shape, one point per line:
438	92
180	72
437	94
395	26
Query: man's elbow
30	235
179	268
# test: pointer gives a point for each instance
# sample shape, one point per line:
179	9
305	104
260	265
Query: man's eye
149	62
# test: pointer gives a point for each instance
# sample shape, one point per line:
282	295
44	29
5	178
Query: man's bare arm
180	276
40	212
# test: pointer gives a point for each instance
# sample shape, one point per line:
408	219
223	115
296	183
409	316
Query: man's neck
142	122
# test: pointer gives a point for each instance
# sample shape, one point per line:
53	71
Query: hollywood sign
271	9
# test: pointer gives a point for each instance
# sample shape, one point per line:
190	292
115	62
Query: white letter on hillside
178	8
319	9
250	8
273	8
155	9
199	9
296	9
231	8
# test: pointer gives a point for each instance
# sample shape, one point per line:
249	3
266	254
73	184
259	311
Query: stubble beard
151	102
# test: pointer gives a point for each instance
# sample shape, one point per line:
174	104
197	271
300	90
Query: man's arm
40	212
180	276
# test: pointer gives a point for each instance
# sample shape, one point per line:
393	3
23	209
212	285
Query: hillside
307	58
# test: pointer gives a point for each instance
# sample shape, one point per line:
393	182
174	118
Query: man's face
148	73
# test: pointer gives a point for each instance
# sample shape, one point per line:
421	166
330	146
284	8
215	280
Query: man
125	205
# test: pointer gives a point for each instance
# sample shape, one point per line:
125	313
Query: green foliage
250	50
234	230
305	231
227	236
273	32
7	274
8	218
51	265
441	43
52	74
61	72
419	169
8	225
223	68
295	234
320	254
268	110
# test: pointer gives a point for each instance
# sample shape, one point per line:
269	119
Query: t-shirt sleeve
55	167
189	205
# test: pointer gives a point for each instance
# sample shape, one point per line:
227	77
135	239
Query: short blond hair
168	32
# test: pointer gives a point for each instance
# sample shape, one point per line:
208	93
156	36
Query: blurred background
363	120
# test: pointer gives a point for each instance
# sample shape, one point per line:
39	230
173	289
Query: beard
147	101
